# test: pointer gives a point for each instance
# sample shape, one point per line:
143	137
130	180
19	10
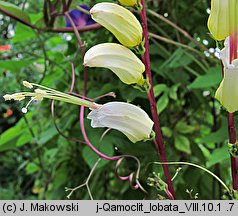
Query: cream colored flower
120	21
127	118
227	93
218	21
223	19
121	60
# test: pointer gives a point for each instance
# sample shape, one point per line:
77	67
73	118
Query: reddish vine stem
81	117
232	140
158	139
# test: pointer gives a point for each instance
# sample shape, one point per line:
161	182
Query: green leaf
178	59
31	168
16	11
24	139
184	128
162	103
218	156
219	136
167	131
211	79
47	135
18	135
106	147
173	92
14	65
182	144
158	89
91	158
23	33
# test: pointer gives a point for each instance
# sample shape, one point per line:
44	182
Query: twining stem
158	139
199	167
81	117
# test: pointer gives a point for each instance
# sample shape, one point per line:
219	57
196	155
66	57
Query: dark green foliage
36	162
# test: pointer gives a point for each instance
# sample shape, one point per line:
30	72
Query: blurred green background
36	162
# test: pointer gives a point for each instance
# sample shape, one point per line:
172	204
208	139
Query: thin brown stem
55	29
158	139
186	34
167	40
15	17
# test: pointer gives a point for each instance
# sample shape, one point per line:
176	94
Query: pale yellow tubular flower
128	3
120	21
227	93
121	60
218	21
127	118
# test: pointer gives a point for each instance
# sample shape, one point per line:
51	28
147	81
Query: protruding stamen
24	110
18	96
27	84
39	91
7	97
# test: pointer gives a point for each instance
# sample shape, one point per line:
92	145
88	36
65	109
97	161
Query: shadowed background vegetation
36	162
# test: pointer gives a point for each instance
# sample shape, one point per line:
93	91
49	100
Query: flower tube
120	21
119	59
127	118
218	21
227	93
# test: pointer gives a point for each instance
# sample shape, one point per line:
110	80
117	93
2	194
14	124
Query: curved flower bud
218	21
128	3
223	19
127	118
121	60
120	21
227	93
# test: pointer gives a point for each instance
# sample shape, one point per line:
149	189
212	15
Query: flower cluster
223	25
118	58
127	118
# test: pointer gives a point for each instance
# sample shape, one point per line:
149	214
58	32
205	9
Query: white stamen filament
44	92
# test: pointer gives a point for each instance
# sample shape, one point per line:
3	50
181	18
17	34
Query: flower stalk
223	25
158	139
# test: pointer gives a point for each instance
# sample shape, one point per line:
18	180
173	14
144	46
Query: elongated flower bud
127	118
121	60
120	21
227	93
218	21
128	3
223	19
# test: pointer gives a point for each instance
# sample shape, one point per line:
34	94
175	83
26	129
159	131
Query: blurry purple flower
80	18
